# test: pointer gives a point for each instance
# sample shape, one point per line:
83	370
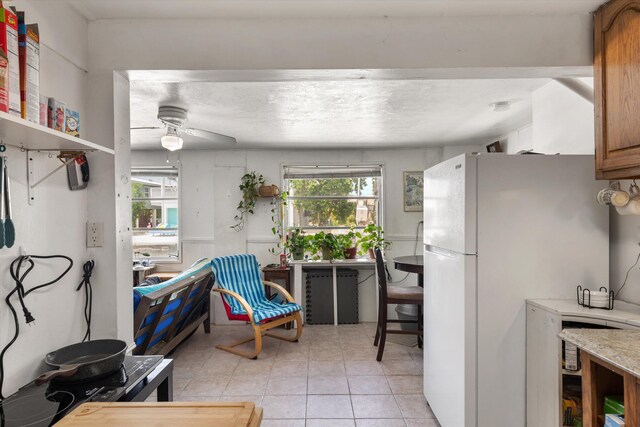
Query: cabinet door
617	89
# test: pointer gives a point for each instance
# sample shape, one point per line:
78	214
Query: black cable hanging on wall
18	275
88	296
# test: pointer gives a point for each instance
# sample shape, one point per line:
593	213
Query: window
155	213
333	198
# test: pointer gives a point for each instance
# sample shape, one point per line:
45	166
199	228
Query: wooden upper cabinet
616	66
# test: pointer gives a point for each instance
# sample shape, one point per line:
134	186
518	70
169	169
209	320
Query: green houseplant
326	244
296	243
249	184
278	202
348	244
372	237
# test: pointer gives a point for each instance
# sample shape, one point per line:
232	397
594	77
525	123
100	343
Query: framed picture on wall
413	191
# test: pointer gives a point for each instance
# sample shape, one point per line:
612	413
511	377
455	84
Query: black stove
46	404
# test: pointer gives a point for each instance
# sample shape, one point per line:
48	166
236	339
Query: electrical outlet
95	234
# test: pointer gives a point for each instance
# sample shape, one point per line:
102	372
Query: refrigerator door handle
440	251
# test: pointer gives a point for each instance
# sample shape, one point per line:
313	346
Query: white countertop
623	312
619	347
337	262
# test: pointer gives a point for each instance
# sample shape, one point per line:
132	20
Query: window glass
155	213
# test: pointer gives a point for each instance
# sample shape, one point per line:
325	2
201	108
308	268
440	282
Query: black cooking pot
84	361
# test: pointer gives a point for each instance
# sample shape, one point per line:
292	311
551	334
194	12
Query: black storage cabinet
319	305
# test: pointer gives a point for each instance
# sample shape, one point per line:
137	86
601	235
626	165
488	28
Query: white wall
55	224
562	121
209	186
518	140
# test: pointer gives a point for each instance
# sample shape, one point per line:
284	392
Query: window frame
381	186
179	230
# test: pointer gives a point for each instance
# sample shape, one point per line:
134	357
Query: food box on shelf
9	46
29	49
43	108
55	114
72	122
4	69
614	405
611	420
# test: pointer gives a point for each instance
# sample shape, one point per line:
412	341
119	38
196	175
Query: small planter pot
351	253
297	254
372	254
327	253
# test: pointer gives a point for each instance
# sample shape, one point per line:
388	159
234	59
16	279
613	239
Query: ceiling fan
174	119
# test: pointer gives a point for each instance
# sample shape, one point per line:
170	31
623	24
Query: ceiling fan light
171	141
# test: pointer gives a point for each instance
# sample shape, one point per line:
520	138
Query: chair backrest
240	274
382	276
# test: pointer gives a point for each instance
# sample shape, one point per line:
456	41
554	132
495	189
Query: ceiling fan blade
211	136
147	127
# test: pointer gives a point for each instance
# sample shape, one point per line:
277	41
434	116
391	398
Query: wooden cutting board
156	414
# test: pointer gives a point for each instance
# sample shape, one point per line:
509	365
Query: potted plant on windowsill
372	238
326	244
348	244
295	244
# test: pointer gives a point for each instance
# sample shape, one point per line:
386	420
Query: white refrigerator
499	229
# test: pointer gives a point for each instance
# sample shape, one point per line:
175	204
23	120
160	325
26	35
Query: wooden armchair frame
262	328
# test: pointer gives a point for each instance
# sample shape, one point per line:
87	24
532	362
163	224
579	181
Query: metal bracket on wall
65	157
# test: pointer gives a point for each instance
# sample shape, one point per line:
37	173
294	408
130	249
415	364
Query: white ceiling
337	113
202	9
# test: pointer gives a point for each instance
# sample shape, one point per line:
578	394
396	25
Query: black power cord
88	296
18	276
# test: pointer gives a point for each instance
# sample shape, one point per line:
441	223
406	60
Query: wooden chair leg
383	333
376	340
298	321
420	327
257	337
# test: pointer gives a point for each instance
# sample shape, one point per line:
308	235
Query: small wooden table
277	273
411	264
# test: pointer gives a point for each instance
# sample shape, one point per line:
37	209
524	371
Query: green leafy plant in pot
326	244
296	243
372	237
347	243
249	184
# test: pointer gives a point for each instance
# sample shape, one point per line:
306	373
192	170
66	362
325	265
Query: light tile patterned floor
329	378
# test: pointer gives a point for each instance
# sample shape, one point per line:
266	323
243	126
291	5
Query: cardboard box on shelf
29	53
9	46
4	69
43	108
72	122
55	114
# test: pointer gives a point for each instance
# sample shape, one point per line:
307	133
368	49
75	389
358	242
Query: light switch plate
95	234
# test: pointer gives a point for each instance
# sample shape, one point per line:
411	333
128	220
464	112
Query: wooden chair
390	294
243	296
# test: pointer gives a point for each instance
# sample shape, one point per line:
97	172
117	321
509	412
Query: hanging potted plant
372	237
249	184
278	202
295	244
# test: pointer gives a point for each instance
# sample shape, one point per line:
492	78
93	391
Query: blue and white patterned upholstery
241	274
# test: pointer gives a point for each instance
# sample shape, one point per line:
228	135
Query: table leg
297	285
335	295
165	390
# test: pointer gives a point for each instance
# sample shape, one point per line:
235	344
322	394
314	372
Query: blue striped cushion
241	274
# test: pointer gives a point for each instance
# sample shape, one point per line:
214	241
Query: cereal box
55	114
72	123
43	107
4	69
9	46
